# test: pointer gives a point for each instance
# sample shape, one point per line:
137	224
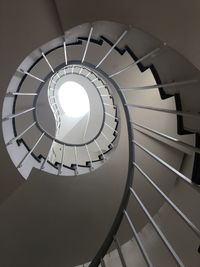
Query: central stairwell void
64	113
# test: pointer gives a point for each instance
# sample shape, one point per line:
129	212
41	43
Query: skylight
73	99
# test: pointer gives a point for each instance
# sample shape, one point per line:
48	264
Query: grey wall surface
24	25
62	221
174	21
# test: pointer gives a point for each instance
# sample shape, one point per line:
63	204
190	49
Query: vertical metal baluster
106	138
80	71
95	79
110	115
89	73
99	149
72	69
157	229
44	162
153	52
111	128
91	165
62	158
164	163
102	86
109	105
137	239
18	114
170	111
111	49
106	95
24	158
121	256
48	63
65	53
21	94
168	200
76	158
31	75
165	85
64	70
87	44
179	142
21	134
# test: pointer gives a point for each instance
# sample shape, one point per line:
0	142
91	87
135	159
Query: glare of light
73	99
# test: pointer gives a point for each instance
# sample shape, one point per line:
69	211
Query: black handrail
35	100
119	216
49	135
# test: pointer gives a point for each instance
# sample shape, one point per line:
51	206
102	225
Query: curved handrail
120	213
17	93
128	189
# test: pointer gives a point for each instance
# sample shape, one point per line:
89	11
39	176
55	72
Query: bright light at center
73	99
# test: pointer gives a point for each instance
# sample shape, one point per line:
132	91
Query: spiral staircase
134	175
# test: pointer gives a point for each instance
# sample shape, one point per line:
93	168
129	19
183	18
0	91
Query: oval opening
73	99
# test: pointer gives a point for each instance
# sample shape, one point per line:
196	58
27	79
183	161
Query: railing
186	220
94	79
116	226
129	190
130	193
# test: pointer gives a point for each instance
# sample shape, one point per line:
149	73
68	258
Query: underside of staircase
127	197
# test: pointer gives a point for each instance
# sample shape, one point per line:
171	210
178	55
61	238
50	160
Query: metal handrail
132	143
116	224
104	104
57	121
120	213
